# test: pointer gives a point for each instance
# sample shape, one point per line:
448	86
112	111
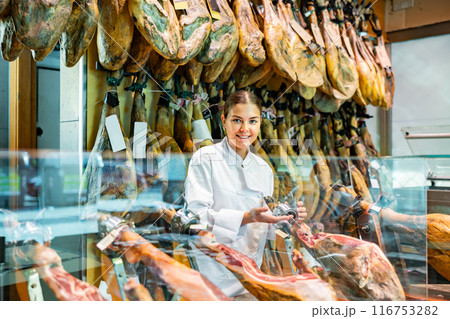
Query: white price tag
374	183
199	227
376	209
140	140
180	4
375	165
200	131
260	10
115	133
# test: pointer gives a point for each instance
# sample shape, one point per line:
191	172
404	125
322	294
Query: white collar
234	158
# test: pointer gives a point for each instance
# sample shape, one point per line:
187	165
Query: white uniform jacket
221	186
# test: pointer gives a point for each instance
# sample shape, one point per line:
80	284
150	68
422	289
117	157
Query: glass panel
371	242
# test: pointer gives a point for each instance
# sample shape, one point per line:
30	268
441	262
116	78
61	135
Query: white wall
422	93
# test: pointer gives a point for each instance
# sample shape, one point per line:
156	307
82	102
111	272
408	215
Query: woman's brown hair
241	97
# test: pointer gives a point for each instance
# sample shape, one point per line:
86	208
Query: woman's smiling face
242	126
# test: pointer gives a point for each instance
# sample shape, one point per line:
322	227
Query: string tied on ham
135	85
114	81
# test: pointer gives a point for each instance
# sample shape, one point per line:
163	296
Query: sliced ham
358	269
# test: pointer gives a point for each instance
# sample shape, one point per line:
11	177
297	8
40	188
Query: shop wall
4	104
421	95
48	101
424	12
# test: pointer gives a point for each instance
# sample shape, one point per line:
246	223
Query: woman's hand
259	215
301	212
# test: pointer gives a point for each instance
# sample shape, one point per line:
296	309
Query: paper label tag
214	9
375	165
180	4
317	35
302	33
260	10
140	140
110	237
374	183
375	208
292	131
179	104
200	131
348	46
204	96
115	133
363	34
199	227
308	13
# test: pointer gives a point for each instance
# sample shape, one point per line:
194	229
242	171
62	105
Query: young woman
226	184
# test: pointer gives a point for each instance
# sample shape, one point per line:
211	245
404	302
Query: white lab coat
221	186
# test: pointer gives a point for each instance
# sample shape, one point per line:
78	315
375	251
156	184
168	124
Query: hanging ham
79	31
39	23
114	34
158	23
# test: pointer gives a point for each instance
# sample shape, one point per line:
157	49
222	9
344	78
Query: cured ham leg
285	169
188	283
308	74
246	75
139	53
212	72
341	70
435	228
79	31
118	175
389	83
193	72
10	45
136	292
163	128
161	68
223	35
158	23
250	37
229	68
39	23
195	25
114	34
182	124
306	286
64	285
3	5
358	268
277	44
197	119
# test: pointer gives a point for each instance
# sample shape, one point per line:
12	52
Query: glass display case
109	227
